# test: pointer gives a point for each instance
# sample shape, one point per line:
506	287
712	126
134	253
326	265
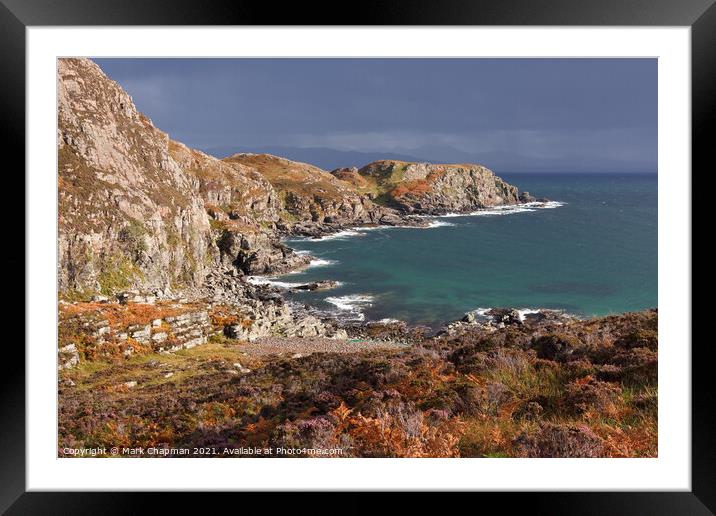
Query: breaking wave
352	304
263	280
481	314
505	210
320	262
341	235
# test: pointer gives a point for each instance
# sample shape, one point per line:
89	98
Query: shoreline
352	302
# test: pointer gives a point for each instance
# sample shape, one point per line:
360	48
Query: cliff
128	213
139	210
431	189
312	197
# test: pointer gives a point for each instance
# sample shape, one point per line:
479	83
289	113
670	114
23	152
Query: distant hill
322	157
498	161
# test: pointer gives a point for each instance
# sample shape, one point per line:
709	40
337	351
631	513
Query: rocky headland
142	216
139	210
165	341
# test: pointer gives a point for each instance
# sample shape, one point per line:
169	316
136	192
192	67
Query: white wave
274	282
353	304
263	280
388	320
482	313
526	311
545	205
319	262
496	210
507	209
438	224
341	235
370	228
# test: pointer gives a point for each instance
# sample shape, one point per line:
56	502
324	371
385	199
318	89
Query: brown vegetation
581	389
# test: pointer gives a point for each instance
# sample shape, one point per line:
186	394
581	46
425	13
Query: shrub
133	237
588	393
560	441
639	338
555	346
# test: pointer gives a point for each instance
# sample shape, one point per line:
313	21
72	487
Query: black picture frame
700	15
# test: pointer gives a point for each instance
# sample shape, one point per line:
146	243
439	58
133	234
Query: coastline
178	328
348	307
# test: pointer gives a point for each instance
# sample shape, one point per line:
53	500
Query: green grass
118	273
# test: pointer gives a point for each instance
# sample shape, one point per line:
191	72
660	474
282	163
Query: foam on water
370	228
526	311
388	320
505	210
482	315
353	304
274	282
319	262
438	224
341	235
264	280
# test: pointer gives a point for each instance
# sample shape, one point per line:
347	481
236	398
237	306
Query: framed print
438	249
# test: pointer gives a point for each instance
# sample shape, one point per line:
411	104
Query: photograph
285	257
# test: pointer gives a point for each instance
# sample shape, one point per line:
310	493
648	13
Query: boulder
526	197
317	285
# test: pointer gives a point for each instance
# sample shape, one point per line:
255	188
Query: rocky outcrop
312	199
92	331
266	319
317	285
258	253
128	213
138	210
68	356
425	188
230	191
491	320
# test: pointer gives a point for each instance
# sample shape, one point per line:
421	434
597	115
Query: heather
578	389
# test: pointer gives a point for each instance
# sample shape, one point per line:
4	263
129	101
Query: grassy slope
301	178
586	389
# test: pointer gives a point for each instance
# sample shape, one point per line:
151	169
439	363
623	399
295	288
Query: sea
591	251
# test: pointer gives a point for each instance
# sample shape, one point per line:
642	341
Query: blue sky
510	114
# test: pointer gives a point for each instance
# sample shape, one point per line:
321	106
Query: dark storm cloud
581	114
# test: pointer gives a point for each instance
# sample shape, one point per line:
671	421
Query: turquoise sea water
594	255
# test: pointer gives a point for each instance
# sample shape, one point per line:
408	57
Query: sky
512	115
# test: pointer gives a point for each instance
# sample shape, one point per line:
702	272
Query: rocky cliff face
431	189
138	210
244	212
313	198
128	213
